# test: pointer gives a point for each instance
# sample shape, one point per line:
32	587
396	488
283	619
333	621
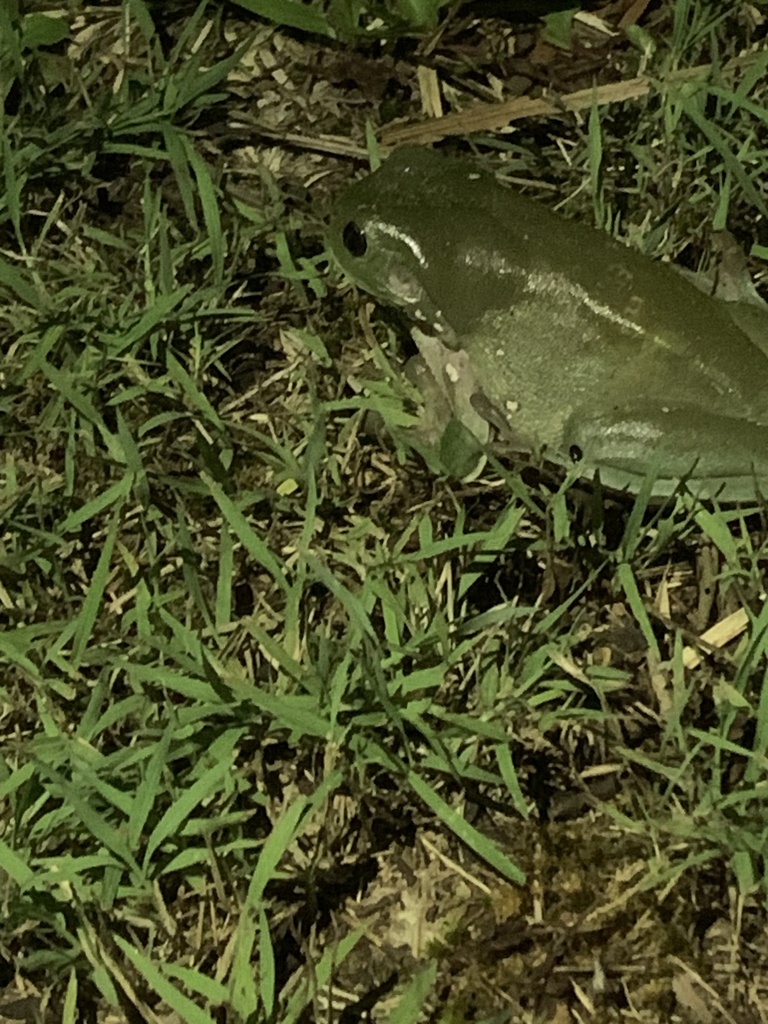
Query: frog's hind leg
717	456
730	283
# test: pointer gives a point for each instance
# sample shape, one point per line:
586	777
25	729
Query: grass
291	723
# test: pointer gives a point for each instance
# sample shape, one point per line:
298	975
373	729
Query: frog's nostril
575	453
354	240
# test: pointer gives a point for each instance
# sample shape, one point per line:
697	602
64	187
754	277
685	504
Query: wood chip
717	636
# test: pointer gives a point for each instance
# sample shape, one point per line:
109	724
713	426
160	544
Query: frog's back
514	277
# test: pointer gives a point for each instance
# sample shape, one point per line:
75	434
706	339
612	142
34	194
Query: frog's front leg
717	455
452	374
436	412
449	424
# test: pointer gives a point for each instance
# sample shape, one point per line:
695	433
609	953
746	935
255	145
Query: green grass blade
411	1006
14	866
240	526
187	1010
484	847
290	13
183	806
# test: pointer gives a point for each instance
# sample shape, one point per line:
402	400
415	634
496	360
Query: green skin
577	346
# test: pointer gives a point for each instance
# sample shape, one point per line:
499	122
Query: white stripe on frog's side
489	261
403	236
557	284
632	429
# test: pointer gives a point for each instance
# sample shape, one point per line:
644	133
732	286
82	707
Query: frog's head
383	254
407	234
379	235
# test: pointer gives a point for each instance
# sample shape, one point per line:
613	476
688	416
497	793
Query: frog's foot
436	411
728	278
733	285
511	439
733	282
452	371
716	456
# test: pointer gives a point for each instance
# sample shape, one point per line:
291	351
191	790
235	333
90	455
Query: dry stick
494	116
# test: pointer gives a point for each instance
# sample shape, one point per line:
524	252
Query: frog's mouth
407	292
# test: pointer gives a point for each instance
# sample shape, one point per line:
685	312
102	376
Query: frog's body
578	345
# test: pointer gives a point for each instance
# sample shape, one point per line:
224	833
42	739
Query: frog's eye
354	240
575	453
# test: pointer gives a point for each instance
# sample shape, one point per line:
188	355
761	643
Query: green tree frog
573	345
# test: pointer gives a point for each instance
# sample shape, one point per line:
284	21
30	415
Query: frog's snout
404	287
